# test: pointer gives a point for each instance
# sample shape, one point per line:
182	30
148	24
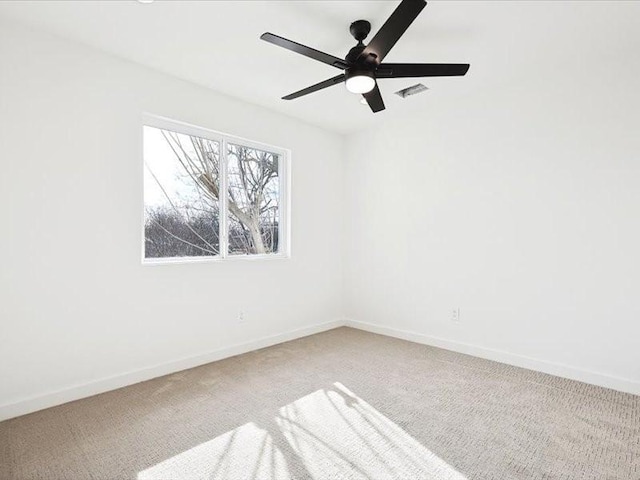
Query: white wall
76	305
520	206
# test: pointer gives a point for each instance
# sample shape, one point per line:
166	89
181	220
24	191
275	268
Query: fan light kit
360	83
363	65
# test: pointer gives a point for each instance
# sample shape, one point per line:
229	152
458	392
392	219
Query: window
209	195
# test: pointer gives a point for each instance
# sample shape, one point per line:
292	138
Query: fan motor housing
358	71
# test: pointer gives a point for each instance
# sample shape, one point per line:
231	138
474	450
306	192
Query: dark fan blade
304	50
398	70
316	87
374	99
393	29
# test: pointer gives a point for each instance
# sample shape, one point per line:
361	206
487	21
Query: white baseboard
557	369
76	392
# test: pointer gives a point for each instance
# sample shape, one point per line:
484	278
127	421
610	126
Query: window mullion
224	218
281	204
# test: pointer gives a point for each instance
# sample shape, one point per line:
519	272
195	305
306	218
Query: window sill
231	258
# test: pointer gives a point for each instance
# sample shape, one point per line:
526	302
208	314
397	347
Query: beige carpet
341	404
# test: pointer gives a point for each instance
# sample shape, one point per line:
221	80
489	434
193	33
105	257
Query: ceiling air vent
412	90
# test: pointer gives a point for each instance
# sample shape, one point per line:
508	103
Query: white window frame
284	177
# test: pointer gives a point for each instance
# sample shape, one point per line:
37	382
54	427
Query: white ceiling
216	44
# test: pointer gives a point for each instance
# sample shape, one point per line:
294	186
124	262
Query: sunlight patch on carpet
330	433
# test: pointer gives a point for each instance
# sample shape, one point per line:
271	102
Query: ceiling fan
363	64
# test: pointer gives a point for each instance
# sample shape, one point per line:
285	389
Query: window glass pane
254	200
181	188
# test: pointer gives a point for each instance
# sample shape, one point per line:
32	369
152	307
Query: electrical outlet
455	315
